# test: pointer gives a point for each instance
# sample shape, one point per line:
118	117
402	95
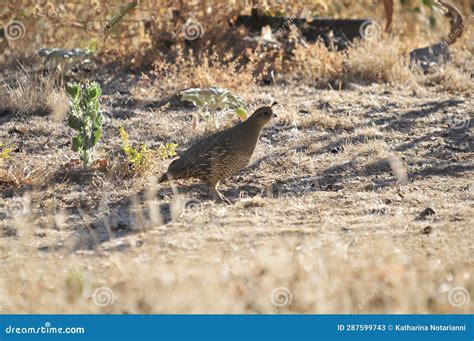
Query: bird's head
263	115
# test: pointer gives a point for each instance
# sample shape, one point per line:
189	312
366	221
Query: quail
222	154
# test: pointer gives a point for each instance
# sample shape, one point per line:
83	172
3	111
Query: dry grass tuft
319	119
32	94
12	177
315	65
451	79
189	72
379	61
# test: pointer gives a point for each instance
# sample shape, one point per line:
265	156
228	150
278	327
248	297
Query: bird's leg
214	194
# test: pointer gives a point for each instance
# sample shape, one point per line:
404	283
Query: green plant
137	157
5	151
214	102
86	118
167	150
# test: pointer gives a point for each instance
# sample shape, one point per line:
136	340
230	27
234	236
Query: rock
431	56
336	186
337	149
427	230
425	213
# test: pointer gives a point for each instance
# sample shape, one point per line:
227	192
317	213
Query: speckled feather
219	155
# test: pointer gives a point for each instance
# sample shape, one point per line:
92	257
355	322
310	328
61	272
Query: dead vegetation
32	95
380	61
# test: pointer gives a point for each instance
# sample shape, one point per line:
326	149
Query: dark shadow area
135	214
170	103
338	145
440	152
10	191
8	114
404	123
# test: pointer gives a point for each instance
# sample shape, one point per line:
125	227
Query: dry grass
320	212
187	72
196	274
451	79
27	93
379	61
326	68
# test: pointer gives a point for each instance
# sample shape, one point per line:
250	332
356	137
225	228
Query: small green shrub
139	157
214	103
167	150
5	152
86	118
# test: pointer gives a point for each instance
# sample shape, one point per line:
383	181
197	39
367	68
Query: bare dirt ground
356	201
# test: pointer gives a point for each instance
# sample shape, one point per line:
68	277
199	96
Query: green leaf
91	45
77	143
96	105
213	102
427	3
73	90
93	91
241	113
74	122
96	133
5	151
167	150
97	123
194	99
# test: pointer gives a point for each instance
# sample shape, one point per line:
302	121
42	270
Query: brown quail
220	155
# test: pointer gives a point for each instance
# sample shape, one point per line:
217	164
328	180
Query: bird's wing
199	158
